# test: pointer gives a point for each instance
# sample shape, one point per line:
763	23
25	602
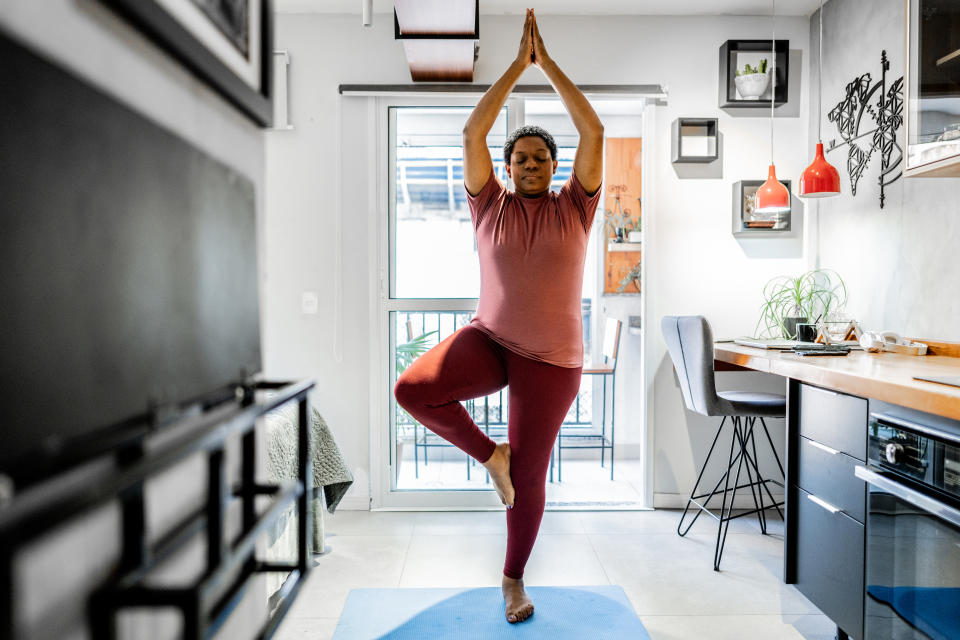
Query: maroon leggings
469	364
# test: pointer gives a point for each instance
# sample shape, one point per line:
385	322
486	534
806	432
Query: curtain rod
625	90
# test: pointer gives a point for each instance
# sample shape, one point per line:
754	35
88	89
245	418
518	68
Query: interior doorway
424	184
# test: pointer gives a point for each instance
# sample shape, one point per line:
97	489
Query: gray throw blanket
330	470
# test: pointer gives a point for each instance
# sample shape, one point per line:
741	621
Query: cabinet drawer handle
823	447
826	505
826	391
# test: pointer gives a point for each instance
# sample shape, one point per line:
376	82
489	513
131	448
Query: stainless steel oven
912	586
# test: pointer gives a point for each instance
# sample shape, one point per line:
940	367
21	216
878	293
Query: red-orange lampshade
772	196
820	179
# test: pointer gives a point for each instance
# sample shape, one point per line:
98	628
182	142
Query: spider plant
810	295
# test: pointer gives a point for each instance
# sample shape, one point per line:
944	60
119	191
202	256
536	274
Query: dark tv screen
129	273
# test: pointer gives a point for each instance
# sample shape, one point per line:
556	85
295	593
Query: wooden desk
881	376
829	403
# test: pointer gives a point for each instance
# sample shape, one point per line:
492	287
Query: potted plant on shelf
632	276
753	81
620	224
636	234
788	301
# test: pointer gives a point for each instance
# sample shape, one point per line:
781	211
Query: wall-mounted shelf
624	246
748	223
734	54
694	140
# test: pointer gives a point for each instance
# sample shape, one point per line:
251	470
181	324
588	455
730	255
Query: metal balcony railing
490	412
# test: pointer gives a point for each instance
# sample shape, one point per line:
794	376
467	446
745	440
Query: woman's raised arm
588	161
476	155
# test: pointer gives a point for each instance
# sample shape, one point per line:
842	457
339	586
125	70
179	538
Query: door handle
918	499
823	447
823	503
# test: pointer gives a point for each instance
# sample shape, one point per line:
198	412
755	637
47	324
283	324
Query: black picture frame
742	189
174	38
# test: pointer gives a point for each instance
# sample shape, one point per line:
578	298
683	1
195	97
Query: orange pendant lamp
772	196
820	179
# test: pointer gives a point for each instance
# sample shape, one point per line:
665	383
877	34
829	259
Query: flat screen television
128	269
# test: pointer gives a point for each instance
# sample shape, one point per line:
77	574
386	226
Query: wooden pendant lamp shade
439	38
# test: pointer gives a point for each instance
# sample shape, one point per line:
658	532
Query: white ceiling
580	7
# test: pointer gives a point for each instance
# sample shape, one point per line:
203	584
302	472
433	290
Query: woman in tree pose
527	330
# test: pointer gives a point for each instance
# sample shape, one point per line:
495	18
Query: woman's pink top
532	252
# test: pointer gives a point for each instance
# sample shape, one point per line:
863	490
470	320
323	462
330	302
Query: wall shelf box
734	54
932	92
694	140
748	223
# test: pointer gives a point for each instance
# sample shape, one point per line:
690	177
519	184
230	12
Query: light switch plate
309	302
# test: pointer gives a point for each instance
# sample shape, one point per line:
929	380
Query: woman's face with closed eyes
531	166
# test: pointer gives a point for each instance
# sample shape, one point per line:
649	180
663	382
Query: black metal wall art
884	106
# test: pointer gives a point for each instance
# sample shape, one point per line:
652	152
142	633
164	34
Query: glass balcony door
431	279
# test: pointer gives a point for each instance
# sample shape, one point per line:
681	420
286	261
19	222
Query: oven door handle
907	494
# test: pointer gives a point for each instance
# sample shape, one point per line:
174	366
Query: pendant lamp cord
773	72
820	76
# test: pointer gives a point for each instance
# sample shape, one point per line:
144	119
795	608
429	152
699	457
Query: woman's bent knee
407	393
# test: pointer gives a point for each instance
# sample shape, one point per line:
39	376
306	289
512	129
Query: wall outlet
309	302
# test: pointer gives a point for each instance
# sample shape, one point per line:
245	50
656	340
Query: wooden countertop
881	376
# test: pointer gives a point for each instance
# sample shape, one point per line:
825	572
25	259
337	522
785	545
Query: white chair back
611	340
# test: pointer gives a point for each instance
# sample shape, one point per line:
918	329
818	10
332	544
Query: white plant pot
635	236
752	85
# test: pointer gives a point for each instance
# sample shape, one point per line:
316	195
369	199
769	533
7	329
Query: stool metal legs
744	442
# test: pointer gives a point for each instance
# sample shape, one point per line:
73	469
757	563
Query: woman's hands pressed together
539	52
525	55
532	50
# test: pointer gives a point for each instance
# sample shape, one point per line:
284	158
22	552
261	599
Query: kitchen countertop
882	376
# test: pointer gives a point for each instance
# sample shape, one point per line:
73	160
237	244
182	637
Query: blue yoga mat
560	613
933	610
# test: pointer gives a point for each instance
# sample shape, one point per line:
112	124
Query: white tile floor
576	482
668	579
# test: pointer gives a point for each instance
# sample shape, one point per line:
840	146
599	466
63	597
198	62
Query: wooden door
622	172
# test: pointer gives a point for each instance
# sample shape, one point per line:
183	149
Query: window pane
435	252
424	460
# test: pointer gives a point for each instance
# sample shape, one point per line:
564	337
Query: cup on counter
806	332
790	323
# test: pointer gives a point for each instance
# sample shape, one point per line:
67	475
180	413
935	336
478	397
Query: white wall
899	262
694	263
88	39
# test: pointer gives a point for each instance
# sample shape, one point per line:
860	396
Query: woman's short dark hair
523	132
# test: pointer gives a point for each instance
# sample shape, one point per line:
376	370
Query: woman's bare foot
519	607
499	467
